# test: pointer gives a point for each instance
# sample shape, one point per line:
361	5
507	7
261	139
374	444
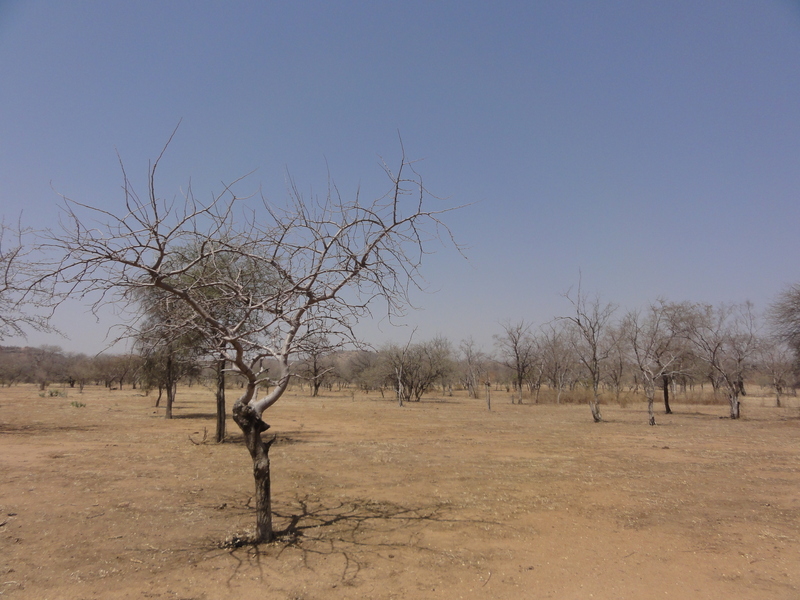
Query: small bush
77	404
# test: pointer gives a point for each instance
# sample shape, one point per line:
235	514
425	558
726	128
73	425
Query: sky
645	149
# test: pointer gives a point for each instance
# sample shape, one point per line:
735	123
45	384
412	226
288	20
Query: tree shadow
354	530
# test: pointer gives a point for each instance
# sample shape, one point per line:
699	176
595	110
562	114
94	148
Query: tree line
267	293
661	349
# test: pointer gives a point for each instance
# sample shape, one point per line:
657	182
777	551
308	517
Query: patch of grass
77	404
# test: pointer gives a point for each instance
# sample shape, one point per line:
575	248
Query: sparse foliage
591	320
327	260
517	352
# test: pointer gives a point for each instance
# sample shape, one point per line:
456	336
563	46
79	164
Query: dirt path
436	500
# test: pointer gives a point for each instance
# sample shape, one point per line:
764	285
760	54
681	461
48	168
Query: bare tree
726	339
517	352
777	361
558	356
17	297
653	344
315	365
591	320
417	367
328	259
784	317
473	363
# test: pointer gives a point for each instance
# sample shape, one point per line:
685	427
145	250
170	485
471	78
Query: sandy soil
441	499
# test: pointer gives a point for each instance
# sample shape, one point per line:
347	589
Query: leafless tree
777	361
590	321
417	367
517	352
327	259
315	364
784	317
558	356
654	346
17	297
473	362
726	339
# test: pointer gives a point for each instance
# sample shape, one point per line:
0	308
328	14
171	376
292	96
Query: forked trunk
252	427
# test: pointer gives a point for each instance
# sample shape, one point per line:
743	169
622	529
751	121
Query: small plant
55	393
77	404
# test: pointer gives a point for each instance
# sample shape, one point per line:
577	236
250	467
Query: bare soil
439	499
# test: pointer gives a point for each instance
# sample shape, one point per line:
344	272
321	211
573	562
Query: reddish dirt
440	499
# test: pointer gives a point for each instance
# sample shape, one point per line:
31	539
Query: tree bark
220	401
170	386
735	405
594	404
252	427
665	382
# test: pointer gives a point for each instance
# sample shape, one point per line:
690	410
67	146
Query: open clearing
440	499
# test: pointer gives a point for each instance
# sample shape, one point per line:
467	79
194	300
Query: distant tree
592	345
80	370
362	369
776	360
417	367
517	351
49	365
473	366
169	349
558	356
784	317
726	339
316	364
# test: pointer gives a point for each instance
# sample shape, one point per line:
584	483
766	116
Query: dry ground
441	499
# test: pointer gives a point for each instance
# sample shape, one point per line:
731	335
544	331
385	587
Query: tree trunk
594	404
252	427
221	401
650	401
170	386
665	382
735	405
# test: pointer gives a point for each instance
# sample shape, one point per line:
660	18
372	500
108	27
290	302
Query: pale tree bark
591	320
253	278
220	397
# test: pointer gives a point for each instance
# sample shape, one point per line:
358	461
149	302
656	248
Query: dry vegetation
440	499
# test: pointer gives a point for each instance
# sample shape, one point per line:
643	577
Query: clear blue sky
653	146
